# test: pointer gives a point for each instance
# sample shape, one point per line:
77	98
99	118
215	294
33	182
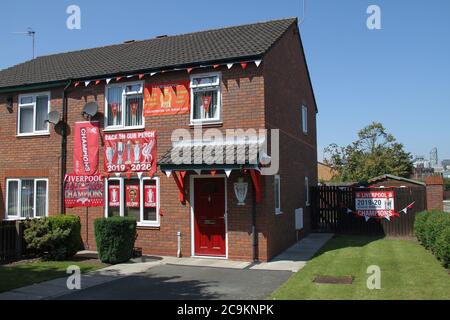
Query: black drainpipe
64	145
254	232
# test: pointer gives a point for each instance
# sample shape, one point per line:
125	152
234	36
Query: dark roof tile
224	44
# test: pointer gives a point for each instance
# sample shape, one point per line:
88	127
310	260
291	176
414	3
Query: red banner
167	98
133	196
85	152
150	197
130	152
114	196
84	191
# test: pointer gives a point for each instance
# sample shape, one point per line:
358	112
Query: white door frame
191	188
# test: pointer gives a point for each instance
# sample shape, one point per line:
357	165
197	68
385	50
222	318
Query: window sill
31	135
148	226
206	124
277	213
124	129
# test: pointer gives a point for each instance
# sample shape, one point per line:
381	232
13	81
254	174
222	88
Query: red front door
209	217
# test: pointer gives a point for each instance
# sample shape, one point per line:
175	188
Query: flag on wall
85	152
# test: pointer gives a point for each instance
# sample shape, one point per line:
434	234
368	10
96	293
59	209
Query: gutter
30	87
64	146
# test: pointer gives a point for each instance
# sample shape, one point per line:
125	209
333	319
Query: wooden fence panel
11	240
331	206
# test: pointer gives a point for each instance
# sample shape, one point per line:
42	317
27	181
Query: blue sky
399	75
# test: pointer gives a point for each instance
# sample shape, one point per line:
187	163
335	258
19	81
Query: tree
375	153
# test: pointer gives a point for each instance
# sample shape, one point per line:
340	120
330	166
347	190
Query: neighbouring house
138	93
325	172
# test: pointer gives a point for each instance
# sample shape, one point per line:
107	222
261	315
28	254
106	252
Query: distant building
325	172
421	162
445	164
434	160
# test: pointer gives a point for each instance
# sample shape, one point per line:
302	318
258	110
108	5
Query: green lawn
23	274
408	271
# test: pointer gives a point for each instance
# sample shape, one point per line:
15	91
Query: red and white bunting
141	76
76	84
97	82
244	65
229	65
86	83
189	70
258	62
108	80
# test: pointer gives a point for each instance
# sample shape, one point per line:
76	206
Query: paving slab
296	257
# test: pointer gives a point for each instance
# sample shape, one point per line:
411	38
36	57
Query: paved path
170	282
185	278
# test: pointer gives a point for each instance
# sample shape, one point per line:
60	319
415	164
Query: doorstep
206	262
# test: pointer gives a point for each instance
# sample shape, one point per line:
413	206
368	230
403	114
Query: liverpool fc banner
84	191
167	98
85	153
130	152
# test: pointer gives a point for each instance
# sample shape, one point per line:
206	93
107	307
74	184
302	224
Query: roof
390	176
219	45
203	156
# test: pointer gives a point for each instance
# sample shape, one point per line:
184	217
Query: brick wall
435	192
287	88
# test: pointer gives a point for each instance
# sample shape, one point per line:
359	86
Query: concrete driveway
177	282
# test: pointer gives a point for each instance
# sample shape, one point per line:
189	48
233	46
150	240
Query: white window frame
192	87
277	193
19	209
124	94
142	223
307	203
304	119
32	105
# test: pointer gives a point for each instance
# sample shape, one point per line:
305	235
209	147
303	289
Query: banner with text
84	191
130	152
85	152
167	98
375	204
113	196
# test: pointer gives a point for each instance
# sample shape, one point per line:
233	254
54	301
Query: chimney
435	192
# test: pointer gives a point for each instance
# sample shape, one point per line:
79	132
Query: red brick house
251	77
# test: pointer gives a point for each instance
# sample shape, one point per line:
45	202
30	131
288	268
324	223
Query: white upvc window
307	203
206	98
305	119
33	113
143	205
277	195
124	106
26	198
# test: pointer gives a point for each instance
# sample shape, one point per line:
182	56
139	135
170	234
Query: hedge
432	229
54	238
115	237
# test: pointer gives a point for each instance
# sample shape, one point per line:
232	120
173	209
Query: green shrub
436	222
420	225
442	246
54	238
115	238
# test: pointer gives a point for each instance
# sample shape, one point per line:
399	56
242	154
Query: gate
330	206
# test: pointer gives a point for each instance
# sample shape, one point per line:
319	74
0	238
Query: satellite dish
53	117
90	109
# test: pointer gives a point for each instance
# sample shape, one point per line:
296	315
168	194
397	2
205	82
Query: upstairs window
205	98
33	112
125	106
305	119
26	198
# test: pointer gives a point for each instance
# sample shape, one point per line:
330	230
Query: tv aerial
31	33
